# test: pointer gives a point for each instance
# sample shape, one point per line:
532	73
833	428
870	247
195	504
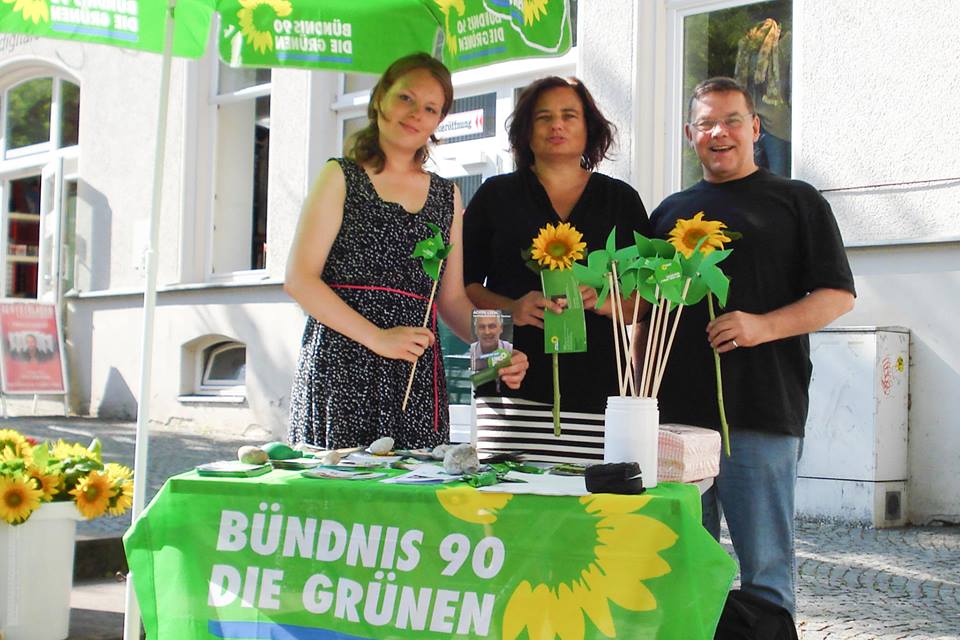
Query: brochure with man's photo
492	344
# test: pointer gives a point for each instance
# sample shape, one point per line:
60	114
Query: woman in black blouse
558	137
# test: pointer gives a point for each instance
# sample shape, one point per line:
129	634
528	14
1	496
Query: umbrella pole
131	622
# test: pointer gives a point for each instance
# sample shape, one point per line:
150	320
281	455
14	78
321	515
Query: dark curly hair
364	146
600	131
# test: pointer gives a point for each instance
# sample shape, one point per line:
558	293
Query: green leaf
41	455
718	283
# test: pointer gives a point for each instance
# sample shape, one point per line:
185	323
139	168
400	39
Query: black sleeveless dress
345	395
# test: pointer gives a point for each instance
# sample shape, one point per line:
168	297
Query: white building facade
857	98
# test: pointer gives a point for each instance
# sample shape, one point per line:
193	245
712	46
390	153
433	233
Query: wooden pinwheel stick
426	319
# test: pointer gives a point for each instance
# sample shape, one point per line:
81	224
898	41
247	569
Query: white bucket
36	573
631	434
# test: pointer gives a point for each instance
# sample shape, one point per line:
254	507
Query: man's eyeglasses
731	123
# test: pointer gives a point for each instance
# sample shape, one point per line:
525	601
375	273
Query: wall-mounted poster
30	357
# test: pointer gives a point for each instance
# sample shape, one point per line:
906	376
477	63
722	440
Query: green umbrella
344	35
362	36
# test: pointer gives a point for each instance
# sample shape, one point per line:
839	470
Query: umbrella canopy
344	35
362	36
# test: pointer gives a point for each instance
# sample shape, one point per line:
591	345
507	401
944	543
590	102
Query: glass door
22	241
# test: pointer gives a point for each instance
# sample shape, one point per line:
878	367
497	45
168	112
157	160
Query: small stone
251	455
461	458
440	451
331	458
381	447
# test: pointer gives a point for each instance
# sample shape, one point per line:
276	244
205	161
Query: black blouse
501	221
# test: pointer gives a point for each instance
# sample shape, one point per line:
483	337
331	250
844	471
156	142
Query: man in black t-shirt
788	276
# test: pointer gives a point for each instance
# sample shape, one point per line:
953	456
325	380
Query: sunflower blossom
256	25
687	233
63	450
93	494
558	247
18	498
48	483
13	445
121	478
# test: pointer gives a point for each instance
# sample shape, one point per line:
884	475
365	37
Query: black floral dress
345	395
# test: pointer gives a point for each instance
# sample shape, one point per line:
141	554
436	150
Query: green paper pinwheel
669	275
431	251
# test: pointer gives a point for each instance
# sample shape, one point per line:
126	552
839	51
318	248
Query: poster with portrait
492	344
30	356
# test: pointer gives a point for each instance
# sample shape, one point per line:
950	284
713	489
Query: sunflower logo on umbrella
256	18
36	11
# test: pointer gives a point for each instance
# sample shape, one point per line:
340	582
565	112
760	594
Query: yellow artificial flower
93	494
63	450
687	233
13	445
48	483
557	247
34	10
256	18
121	478
627	553
18	498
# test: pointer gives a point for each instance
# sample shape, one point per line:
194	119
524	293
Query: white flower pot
631	433
36	573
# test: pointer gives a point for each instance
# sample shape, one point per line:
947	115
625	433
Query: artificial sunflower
64	450
687	233
47	482
256	18
36	11
557	247
122	479
93	494
18	498
10	439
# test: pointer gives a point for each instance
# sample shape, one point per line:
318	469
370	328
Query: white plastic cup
631	434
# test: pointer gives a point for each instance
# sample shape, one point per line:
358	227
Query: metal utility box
854	464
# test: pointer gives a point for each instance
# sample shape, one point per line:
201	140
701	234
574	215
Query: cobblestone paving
858	583
854	583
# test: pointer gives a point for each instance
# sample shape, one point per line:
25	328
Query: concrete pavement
854	583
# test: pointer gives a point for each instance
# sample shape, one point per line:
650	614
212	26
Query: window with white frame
223	369
40	115
241	167
752	43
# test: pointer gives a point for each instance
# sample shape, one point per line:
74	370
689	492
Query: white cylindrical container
631	434
36	573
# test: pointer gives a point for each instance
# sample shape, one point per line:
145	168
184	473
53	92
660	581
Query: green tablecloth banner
281	556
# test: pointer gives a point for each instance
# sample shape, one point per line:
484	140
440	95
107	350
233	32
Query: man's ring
735	345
